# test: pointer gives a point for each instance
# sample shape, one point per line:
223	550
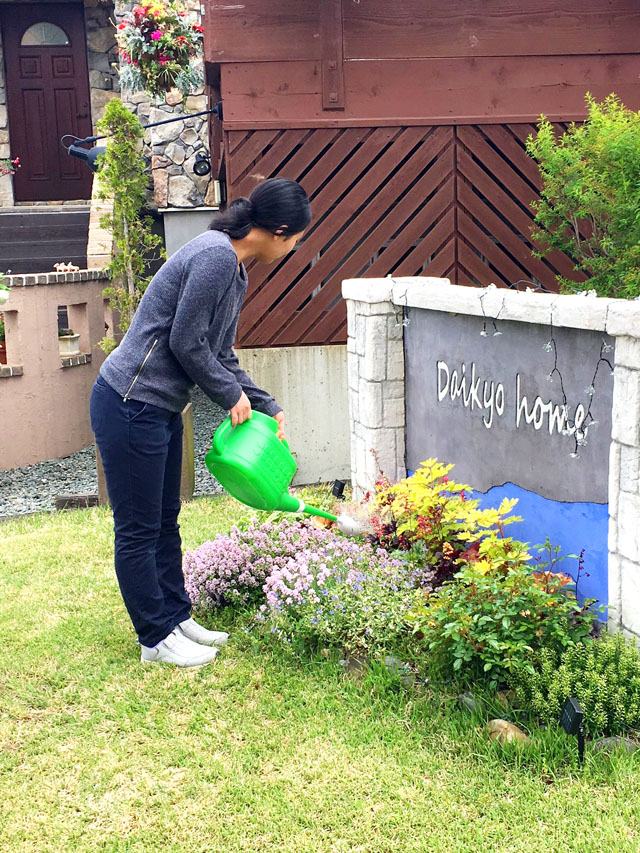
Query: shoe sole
177	665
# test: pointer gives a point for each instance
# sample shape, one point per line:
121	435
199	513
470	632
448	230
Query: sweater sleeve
259	399
207	279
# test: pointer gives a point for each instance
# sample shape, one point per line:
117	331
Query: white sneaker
190	629
179	650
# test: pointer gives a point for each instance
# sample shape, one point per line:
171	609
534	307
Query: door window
43	34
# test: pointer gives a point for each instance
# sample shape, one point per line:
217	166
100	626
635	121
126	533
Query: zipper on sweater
137	376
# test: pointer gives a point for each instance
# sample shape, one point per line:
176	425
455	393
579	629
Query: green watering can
256	467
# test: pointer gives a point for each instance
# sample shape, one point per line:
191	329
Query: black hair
277	205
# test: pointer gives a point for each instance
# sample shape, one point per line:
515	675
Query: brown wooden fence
450	201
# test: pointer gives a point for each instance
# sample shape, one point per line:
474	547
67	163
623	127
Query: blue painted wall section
573	526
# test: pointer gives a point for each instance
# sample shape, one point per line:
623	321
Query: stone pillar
172	148
375	364
6	184
624	490
102	58
99	240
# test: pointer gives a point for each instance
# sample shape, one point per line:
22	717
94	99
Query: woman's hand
280	418
241	412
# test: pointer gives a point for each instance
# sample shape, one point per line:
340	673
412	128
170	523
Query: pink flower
163	60
156	34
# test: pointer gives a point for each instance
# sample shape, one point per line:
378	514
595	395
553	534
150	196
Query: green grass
260	751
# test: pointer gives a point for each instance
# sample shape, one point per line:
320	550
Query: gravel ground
35	487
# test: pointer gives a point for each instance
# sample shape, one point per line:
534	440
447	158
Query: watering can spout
288	503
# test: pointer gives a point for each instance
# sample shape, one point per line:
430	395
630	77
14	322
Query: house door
47	96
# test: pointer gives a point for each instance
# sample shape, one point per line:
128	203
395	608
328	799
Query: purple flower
156	34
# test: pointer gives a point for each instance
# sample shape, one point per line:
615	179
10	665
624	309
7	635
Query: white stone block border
375	360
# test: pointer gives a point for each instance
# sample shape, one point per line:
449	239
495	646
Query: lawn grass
262	751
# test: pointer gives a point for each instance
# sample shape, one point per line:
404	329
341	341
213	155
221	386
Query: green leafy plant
158	44
62	333
2	331
604	675
590	196
122	178
487	620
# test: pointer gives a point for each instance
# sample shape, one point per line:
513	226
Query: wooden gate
451	201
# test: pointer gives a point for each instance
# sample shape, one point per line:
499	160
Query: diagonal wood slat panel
450	201
376	164
342	250
335	163
401	212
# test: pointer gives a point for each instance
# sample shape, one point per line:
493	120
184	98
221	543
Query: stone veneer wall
624	484
101	56
375	371
376	395
172	148
6	186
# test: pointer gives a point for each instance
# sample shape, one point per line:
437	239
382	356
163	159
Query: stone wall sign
507	401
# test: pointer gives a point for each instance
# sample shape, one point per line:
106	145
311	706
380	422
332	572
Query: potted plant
3	346
68	342
158	43
4	291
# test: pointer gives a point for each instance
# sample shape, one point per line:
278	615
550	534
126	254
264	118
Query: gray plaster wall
482	393
310	383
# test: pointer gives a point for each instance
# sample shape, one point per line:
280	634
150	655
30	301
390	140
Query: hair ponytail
234	220
277	205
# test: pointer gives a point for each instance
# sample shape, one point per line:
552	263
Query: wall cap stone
7	371
367	290
205	208
575	311
31	280
76	360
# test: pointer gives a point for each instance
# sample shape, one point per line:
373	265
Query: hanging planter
159	45
9	166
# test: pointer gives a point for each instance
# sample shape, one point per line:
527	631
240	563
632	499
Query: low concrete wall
180	226
376	347
44	411
310	383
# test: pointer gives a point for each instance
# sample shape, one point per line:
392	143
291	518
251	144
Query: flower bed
450	593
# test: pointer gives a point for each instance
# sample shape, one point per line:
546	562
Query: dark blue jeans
141	450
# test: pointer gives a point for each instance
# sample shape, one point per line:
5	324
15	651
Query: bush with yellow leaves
436	519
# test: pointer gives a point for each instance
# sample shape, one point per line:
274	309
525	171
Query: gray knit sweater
183	332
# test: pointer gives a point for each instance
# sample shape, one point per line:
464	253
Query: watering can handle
220	437
221	434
